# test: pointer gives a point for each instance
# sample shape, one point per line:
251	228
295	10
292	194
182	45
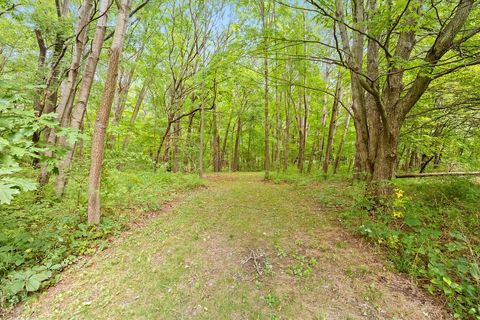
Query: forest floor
241	248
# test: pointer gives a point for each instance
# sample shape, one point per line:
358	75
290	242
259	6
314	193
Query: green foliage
17	126
303	266
38	238
432	234
272	300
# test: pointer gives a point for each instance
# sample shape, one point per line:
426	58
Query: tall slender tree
103	114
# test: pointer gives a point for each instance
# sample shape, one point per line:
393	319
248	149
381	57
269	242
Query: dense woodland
97	94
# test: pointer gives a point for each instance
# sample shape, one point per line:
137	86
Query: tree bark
286	138
176	141
215	143
64	108
265	76
101	123
332	125
236	153
84	93
48	101
224	143
340	146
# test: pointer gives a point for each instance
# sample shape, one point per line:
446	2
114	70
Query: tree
103	113
78	112
383	94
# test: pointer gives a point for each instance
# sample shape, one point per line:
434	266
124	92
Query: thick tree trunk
101	123
84	93
379	186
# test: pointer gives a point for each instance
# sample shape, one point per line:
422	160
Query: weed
303	267
281	253
372	294
357	271
272	300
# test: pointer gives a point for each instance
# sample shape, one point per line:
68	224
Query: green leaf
22	184
16	286
32	284
7	191
42	276
412	221
448	281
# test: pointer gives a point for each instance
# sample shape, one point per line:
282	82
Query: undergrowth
432	235
39	236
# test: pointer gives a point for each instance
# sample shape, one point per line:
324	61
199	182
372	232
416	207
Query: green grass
181	259
38	238
191	263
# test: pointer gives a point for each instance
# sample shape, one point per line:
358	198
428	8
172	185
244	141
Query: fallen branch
256	258
437	174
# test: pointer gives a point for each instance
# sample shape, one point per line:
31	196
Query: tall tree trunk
49	99
324	125
342	142
236	153
286	138
37	104
202	133
176	141
304	121
78	113
224	143
332	125
66	101
101	123
215	142
266	155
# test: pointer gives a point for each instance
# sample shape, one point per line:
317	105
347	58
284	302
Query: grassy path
193	263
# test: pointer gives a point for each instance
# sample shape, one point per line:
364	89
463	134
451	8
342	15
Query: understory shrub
432	235
39	238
